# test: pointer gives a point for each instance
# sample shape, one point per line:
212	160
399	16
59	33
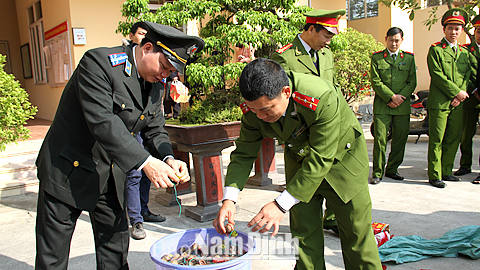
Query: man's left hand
268	216
180	169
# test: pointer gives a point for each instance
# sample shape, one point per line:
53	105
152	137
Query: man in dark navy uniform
114	94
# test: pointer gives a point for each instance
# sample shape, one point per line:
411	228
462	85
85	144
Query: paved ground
411	207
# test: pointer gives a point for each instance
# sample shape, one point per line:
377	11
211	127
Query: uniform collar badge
128	68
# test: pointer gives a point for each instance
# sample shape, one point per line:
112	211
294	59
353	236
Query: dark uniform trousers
470	119
471	110
56	223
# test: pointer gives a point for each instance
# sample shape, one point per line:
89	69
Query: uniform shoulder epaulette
284	48
378	52
409	52
244	108
306	101
436	43
466	45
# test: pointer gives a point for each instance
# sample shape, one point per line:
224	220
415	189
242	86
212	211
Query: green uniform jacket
472	102
294	57
90	138
449	72
325	142
390	77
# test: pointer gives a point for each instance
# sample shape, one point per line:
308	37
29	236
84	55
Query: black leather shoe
437	183
150	217
138	233
334	229
462	171
476	181
375	180
451	178
394	176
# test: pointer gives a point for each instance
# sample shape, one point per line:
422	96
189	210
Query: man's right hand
397	99
462	96
226	211
160	173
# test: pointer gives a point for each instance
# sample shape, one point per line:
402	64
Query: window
37	41
433	3
359	9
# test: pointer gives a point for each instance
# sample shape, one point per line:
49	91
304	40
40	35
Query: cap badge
192	50
456	13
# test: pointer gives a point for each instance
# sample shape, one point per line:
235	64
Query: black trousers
56	223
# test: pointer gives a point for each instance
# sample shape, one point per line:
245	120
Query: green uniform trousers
400	128
354	221
470	118
444	134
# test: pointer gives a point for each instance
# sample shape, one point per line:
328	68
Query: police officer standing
309	53
113	94
394	78
471	108
449	68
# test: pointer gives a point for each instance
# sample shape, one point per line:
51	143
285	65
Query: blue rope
176	198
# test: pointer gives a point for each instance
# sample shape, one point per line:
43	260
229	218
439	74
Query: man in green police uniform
471	108
113	94
325	157
309	54
449	68
394	78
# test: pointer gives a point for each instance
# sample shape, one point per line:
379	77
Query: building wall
9	32
54	12
100	20
80	14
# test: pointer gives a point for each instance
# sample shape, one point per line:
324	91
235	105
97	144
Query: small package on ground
179	92
381	232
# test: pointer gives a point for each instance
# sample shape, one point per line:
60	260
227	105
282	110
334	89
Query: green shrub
352	51
15	109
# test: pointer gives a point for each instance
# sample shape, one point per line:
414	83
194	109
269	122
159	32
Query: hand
476	94
462	96
226	211
180	168
159	173
455	102
268	216
392	104
398	99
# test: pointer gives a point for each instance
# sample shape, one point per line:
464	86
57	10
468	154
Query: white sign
79	36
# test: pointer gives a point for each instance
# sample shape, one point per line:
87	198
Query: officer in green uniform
394	78
471	108
309	54
325	157
449	68
113	94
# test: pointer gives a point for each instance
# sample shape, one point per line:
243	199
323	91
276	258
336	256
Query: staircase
18	173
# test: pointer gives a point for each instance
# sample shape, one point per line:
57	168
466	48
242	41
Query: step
18	173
